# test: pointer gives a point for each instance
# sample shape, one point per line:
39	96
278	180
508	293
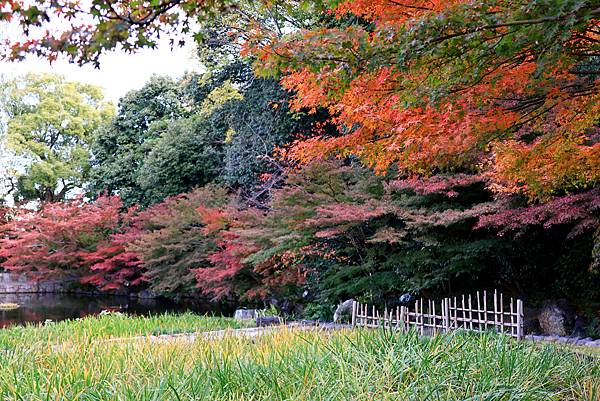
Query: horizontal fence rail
440	316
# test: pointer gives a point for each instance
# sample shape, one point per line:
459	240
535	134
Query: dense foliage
333	230
336	149
60	238
428	87
119	148
173	136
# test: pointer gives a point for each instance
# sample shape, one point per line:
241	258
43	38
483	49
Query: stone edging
586	342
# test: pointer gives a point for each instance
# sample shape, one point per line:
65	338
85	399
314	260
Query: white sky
119	72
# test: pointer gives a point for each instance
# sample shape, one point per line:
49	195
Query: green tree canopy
120	147
50	125
188	154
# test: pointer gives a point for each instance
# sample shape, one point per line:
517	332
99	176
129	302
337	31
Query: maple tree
176	239
334	231
83	31
59	239
495	86
115	266
263	254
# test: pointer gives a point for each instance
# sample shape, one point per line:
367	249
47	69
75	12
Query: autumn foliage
466	153
507	89
332	230
60	238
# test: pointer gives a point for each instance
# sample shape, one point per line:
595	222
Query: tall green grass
109	326
292	365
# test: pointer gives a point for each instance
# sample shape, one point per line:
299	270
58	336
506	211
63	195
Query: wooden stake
470	314
519	319
478	312
485	315
463	314
501	313
512	318
447	313
496	309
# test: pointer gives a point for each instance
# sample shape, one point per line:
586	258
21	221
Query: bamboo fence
478	312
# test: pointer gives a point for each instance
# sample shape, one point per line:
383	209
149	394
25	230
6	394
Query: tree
435	87
83	32
223	125
189	154
260	121
60	239
50	126
120	147
335	230
176	239
259	125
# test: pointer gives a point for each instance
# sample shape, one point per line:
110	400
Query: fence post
447	314
519	319
402	312
353	313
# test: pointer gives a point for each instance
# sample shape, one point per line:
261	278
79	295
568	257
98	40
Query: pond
41	307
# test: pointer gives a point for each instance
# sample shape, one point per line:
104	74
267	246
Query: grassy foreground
288	365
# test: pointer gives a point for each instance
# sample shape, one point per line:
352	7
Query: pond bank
41	307
11	283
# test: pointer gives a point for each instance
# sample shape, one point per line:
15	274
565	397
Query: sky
119	72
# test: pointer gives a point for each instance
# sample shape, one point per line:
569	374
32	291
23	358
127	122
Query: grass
288	365
110	325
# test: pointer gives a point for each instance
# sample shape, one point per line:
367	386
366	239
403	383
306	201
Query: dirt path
218	334
211	335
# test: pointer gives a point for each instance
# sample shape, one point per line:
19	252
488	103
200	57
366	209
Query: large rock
343	311
286	307
245	314
556	318
264	321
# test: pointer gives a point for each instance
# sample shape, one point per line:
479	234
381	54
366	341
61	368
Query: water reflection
56	307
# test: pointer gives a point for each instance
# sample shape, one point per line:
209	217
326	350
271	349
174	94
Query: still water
41	307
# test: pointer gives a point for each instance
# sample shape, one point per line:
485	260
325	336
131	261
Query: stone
343	311
264	321
147	294
244	314
556	318
286	307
